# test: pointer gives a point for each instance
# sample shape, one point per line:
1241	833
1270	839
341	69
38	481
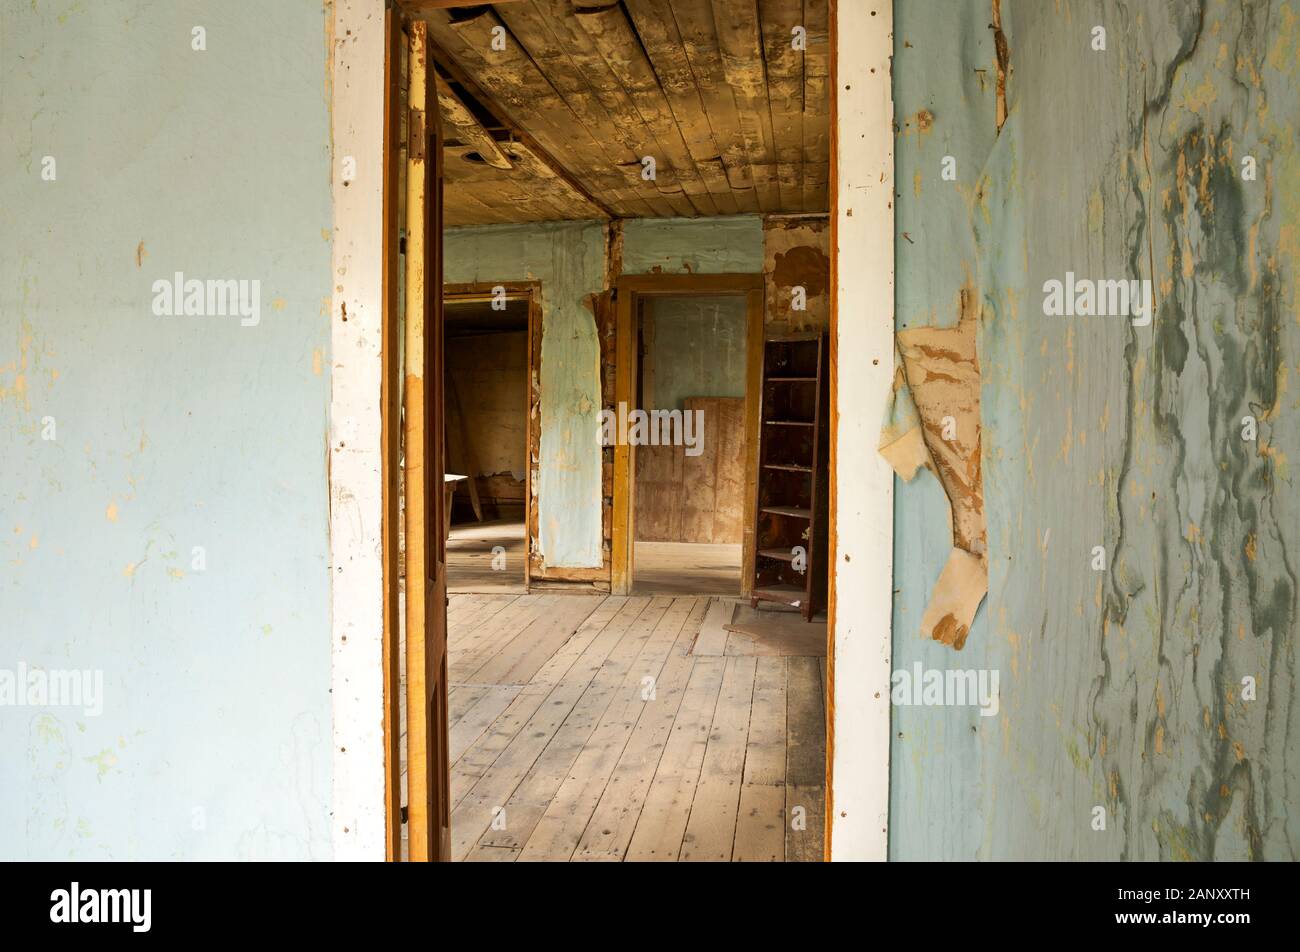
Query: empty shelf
791	511
785	594
785	555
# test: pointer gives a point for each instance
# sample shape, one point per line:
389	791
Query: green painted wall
1120	688
163	491
732	245
698	349
568	258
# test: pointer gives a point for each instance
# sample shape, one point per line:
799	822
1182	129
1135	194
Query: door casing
531	291
630	290
423	425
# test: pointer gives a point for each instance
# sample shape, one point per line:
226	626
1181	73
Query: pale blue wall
698	349
729	245
568	258
1119	688
936	805
215	735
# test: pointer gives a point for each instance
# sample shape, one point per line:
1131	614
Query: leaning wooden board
683	498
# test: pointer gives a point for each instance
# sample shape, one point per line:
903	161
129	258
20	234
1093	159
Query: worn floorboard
586	728
686	568
486	557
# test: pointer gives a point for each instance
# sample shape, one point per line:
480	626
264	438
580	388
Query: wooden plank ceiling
550	106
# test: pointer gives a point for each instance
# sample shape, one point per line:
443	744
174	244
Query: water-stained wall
568	258
796	273
1142	521
163	491
693	347
727	245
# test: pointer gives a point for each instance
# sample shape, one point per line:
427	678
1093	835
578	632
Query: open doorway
651	220
690	360
488	333
690	475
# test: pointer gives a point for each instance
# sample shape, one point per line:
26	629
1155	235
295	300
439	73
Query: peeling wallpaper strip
934	422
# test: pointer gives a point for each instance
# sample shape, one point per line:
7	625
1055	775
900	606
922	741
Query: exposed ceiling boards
475	193
576	93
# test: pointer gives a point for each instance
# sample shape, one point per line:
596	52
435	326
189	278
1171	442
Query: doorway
690	353
690	476
489	333
536	738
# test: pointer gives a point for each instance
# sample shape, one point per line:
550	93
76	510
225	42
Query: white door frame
862	484
356	83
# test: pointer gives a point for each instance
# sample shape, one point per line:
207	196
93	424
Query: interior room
486	397
338	344
619	240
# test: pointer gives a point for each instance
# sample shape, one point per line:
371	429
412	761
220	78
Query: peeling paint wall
568	259
694	347
797	270
163	501
1121	681
729	245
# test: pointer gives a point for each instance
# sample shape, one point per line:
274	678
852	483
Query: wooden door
428	768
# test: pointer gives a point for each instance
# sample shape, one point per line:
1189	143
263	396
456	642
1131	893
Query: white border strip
355	427
864	550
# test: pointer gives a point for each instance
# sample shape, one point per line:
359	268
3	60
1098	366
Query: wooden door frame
859	629
391	434
366	102
628	292
530	291
428	810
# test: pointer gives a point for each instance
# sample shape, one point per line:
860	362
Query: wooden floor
586	728
473	566
686	568
488	557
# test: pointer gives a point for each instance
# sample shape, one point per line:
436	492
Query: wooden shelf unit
792	475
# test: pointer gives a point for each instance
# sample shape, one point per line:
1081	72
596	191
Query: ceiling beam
468	129
449	64
423	6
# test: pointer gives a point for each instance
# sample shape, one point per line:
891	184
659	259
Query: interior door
428	769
